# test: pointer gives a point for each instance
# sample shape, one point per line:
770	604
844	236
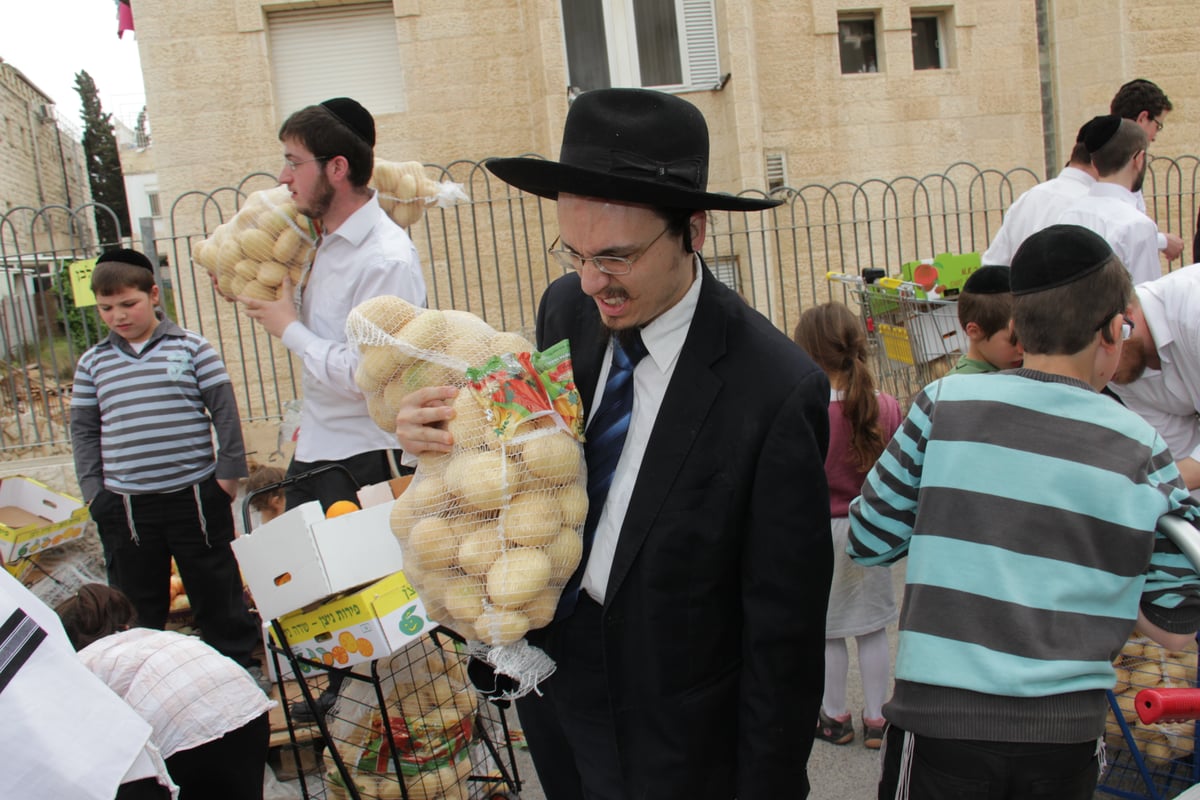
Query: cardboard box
34	517
384	492
300	557
371	623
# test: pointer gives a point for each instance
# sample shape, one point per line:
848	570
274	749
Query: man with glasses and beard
1159	373
1118	150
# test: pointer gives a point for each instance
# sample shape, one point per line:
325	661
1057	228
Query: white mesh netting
265	241
491	531
405	190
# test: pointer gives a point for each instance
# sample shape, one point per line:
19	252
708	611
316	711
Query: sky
50	40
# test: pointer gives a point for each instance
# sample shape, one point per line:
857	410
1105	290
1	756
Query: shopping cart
407	725
914	334
1151	733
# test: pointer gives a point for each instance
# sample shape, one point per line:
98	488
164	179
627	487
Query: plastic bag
405	191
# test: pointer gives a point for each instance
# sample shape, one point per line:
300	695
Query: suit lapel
688	401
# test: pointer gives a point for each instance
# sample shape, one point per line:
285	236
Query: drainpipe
1046	80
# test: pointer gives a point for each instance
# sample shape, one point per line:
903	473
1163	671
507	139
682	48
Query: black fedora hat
632	145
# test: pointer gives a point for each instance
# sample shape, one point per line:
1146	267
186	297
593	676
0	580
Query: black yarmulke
989	279
123	255
1056	256
351	114
1099	130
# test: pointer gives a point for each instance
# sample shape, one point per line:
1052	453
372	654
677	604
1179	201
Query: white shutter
340	51
702	67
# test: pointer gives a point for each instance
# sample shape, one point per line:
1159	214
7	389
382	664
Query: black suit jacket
714	618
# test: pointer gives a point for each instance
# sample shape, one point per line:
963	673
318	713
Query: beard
1133	362
322	200
1141	178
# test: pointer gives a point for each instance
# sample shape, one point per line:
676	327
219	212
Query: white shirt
664	338
1169	398
1037	208
367	256
1111	211
54	707
1141	206
188	692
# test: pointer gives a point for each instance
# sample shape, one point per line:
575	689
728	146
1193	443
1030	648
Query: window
338	51
664	44
927	42
856	43
776	171
725	269
155	208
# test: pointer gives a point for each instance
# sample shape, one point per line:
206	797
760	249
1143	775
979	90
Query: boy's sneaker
839	730
873	732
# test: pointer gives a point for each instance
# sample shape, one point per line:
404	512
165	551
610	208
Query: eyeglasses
609	265
289	164
1159	124
1127	326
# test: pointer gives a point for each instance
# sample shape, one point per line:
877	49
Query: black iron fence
488	256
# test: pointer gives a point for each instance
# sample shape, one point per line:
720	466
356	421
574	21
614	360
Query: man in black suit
689	645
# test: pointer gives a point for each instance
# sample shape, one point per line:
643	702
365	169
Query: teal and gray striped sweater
1026	504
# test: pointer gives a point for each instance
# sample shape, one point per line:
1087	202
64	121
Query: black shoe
301	712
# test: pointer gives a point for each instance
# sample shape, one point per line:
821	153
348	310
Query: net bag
266	241
405	191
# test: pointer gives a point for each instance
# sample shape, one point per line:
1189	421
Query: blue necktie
602	450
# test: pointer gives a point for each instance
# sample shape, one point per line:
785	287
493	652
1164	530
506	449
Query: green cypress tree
103	163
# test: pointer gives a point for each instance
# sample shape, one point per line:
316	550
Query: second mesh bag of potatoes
492	530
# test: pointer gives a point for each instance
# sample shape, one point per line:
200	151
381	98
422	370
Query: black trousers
570	728
333	485
195	525
941	769
229	768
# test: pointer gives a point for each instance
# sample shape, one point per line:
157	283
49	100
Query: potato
506	342
573	504
470	426
229	255
383	415
389	314
257	291
477	551
426	332
257	244
378	364
1127	705
564	554
247	269
518	576
288	245
272	221
236	284
499	626
271	273
480	478
464	598
540	609
422	374
555	458
433	542
531	519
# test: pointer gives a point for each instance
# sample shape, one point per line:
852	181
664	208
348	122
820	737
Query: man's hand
229	486
421	418
1174	246
274	315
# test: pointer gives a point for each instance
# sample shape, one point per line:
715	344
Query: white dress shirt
367	256
1037	208
664	338
1141	206
1169	398
188	692
1111	211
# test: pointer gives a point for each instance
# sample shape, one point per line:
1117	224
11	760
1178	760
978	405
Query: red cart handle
1167	705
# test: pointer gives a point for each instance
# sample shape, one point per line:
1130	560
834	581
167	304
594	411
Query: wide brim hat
631	145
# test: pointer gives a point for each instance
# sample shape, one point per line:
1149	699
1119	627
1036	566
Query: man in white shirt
1040	206
1118	150
328	159
1159	373
1143	102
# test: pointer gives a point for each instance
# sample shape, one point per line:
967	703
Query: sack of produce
422	734
266	241
405	190
492	530
1145	664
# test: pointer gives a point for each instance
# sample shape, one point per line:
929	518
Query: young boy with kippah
146	401
1027	503
985	314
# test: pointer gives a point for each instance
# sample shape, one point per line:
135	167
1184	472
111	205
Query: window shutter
700	44
339	51
776	170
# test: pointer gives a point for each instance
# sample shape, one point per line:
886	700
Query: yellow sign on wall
81	282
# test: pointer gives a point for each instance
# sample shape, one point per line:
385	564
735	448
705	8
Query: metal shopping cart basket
915	337
407	725
1150	741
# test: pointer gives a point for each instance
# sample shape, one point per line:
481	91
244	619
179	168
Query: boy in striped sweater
145	403
1026	502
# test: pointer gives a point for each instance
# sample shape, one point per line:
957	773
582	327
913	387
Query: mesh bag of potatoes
418	744
405	190
266	241
492	530
1144	664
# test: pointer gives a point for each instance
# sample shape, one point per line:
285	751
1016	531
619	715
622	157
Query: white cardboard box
300	557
